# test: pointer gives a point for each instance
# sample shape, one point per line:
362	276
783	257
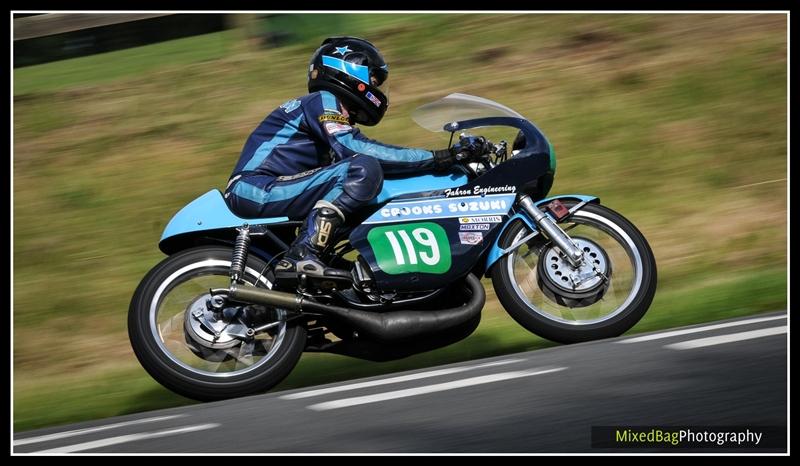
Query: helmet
354	71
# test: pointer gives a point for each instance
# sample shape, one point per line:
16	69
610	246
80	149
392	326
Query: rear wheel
602	298
203	352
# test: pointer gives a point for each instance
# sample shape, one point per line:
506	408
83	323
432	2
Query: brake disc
575	286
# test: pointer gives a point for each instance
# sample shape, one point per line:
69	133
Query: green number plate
415	247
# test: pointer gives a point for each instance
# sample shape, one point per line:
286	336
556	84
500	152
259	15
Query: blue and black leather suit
306	151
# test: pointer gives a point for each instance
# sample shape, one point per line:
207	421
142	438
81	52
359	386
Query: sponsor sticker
484	219
470	237
479	190
333	128
475	227
298	175
373	99
490	208
290	105
334	117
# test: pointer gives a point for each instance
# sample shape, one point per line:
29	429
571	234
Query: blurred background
677	121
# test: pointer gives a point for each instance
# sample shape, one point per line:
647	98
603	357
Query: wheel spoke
523	266
198	348
172	329
566	313
244	355
214	366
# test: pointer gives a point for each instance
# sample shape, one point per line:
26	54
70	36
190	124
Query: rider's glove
471	148
443	159
468	148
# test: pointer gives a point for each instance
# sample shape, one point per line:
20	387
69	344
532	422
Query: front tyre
534	284
200	352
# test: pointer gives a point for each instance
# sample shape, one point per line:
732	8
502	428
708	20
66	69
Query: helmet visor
384	88
381	84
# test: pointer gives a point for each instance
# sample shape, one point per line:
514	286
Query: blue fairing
496	252
209	212
398	187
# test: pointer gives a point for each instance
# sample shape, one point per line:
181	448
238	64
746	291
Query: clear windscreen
458	107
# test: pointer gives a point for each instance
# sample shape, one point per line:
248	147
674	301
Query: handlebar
488	149
482	162
461	156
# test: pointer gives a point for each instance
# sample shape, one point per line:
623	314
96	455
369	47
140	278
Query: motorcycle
210	321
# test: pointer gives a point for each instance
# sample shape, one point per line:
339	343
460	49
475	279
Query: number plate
416	247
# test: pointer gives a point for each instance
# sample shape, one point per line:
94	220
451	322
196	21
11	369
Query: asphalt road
729	373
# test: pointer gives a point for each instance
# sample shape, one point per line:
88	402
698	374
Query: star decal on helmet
342	50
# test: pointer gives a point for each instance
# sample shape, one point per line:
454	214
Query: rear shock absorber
240	250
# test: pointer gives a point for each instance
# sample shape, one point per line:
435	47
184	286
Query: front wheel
203	352
604	297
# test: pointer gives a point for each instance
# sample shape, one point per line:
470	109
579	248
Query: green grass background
677	121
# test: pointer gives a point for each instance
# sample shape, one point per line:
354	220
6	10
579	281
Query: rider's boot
304	259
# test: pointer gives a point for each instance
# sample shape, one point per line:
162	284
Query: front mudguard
496	252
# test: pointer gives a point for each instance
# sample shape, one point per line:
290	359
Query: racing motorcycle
211	321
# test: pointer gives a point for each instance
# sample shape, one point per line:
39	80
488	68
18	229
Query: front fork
573	253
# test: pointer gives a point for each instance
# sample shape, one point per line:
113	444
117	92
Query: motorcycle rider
308	160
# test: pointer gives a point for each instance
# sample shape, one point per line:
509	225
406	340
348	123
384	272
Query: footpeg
310	268
312	276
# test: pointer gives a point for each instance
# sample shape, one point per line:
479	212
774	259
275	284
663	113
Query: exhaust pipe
384	327
251	294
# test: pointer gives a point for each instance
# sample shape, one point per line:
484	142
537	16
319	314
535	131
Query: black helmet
355	72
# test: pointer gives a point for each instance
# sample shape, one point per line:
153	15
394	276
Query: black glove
468	149
471	148
443	159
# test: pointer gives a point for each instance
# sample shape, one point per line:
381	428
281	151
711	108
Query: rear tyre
180	351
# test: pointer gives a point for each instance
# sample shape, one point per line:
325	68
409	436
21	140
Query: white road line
360	400
89	430
718	340
658	336
127	438
398	379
